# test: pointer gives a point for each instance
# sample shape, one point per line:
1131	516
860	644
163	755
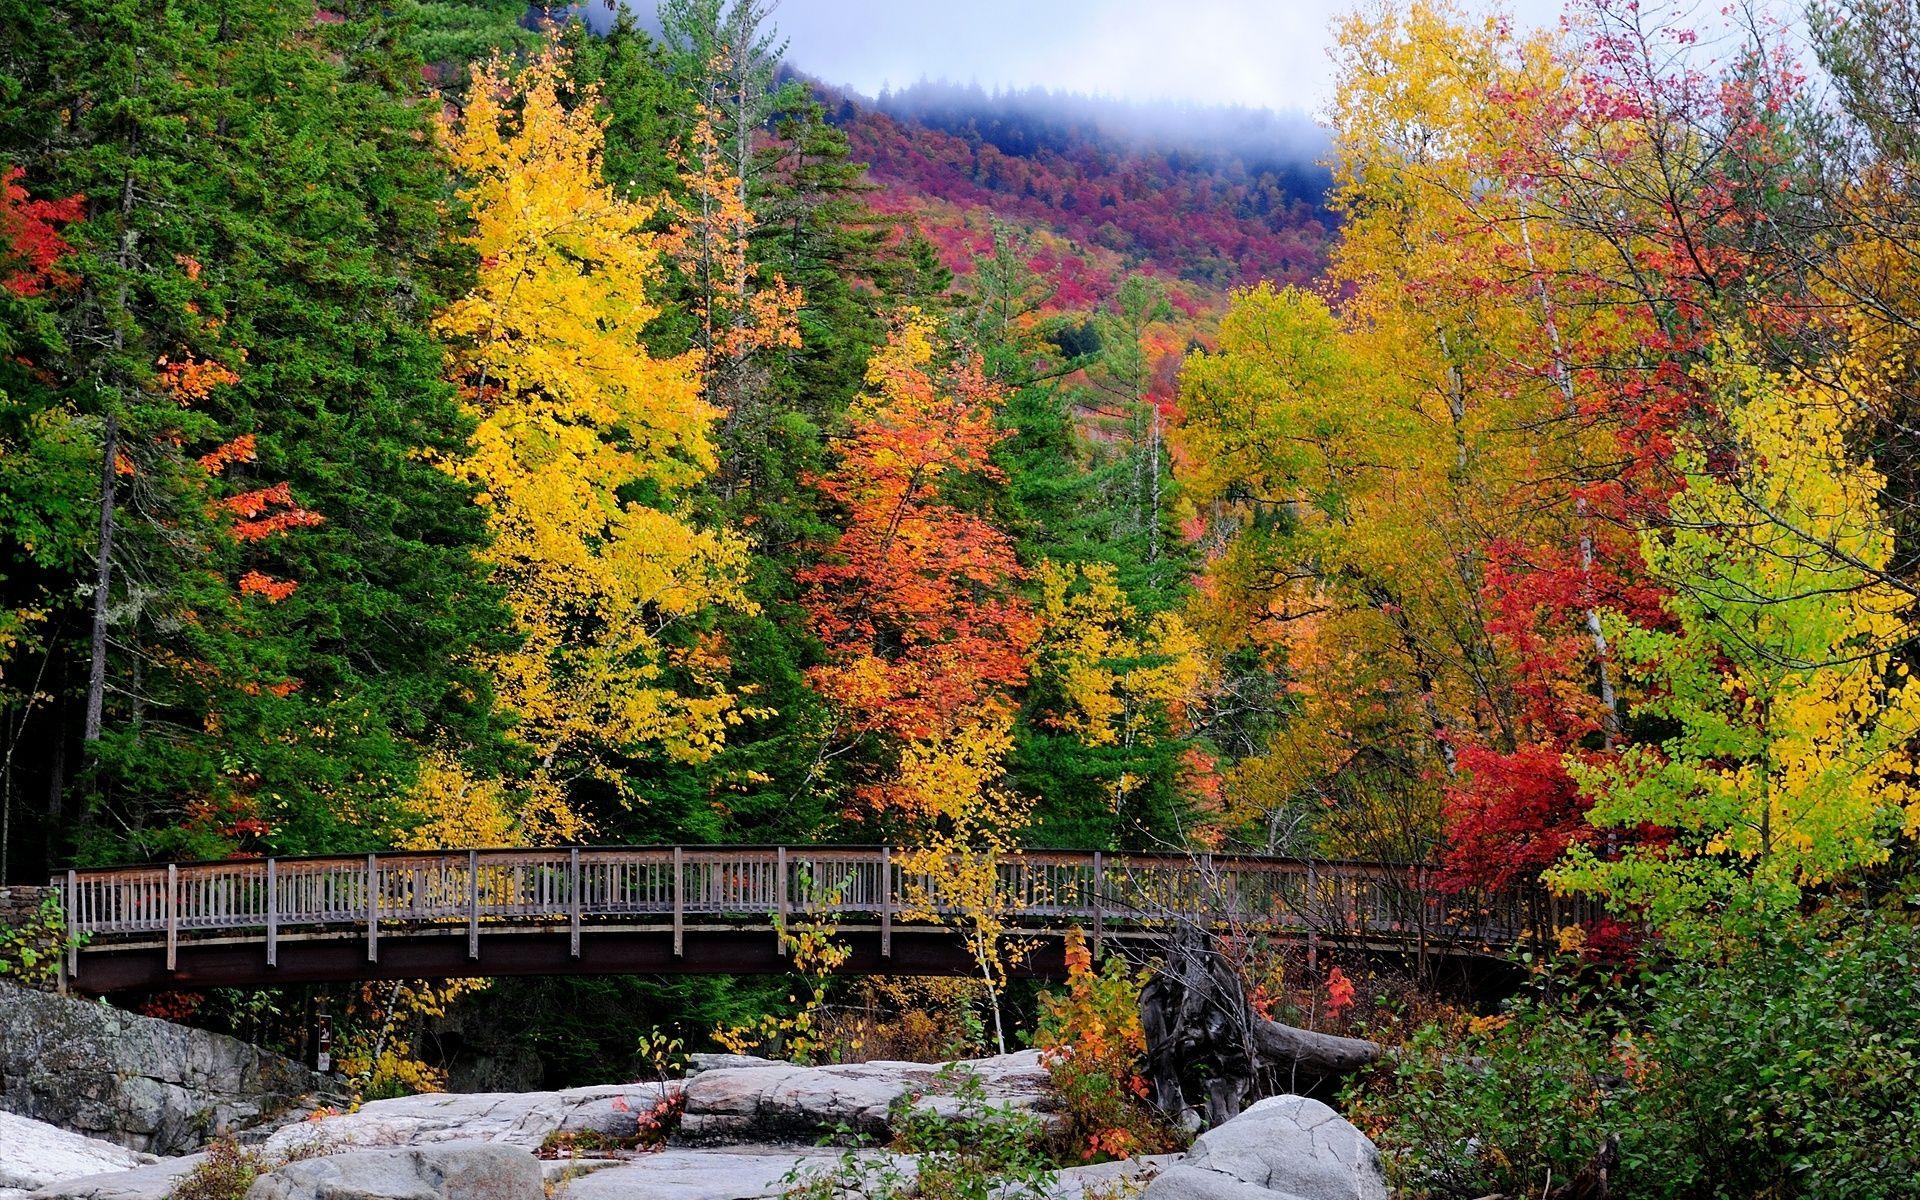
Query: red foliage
1510	817
30	241
1339	993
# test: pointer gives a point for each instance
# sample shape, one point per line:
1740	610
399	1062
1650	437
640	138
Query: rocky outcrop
1288	1147
450	1171
143	1083
34	1154
736	1173
154	1181
522	1119
759	1101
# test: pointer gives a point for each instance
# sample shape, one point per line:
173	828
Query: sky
1259	53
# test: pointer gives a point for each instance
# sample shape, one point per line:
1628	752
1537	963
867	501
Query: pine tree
263	196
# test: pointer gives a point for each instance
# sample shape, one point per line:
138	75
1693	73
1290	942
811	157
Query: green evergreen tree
263	195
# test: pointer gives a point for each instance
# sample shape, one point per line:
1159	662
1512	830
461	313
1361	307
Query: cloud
1260	53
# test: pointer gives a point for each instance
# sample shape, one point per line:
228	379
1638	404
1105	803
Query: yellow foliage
573	415
968	822
1116	671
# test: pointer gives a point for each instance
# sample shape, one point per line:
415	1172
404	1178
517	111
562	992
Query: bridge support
780	890
273	917
1099	917
679	903
373	909
473	905
71	914
886	902
573	901
173	918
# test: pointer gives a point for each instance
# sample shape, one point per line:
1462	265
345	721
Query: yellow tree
1120	678
1791	762
586	445
969	822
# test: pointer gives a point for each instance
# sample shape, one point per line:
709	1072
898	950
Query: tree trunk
102	579
1316	1053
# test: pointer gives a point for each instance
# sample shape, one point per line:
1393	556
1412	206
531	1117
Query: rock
155	1181
745	1173
1286	1146
34	1154
523	1119
780	1102
144	1083
450	1171
1107	1178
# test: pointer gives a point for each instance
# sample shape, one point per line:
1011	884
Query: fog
1237	53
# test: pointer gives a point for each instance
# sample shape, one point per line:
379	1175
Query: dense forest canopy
432	424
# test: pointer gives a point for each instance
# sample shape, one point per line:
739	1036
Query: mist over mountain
1027	121
1216	197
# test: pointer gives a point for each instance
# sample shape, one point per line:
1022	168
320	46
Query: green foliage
1785	1070
30	951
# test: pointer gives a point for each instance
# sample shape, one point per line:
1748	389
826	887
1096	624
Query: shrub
1092	1044
968	1149
229	1169
225	1174
1786	1069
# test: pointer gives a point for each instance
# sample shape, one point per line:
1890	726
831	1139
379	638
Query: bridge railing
602	884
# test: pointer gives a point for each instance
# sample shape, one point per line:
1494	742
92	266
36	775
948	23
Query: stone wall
143	1083
19	903
19	913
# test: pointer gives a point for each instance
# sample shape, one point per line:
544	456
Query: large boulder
1286	1146
449	1171
523	1119
146	1084
764	1101
34	1154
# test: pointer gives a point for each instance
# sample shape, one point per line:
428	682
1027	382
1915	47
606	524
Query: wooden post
70	969
473	905
173	917
373	909
780	887
679	903
886	902
1099	915
573	898
273	916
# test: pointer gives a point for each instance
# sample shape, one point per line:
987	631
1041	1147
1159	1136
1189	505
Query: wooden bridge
715	909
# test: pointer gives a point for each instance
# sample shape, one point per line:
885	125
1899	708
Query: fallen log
1290	1047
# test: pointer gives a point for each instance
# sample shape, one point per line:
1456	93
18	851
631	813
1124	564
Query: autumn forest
438	423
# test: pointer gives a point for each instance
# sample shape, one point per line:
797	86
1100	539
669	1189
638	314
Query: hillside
1208	198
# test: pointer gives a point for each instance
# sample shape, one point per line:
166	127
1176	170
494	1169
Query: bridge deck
711	909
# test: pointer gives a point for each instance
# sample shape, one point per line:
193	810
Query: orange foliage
259	520
916	601
1092	1043
240	449
253	583
192	379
